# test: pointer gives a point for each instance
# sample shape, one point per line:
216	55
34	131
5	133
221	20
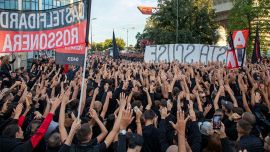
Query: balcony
222	5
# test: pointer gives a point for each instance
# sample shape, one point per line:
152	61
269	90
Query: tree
98	46
246	14
196	23
101	46
120	43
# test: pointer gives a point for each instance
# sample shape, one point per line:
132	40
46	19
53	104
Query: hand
109	94
96	92
18	83
191	111
180	125
138	113
207	108
221	132
257	97
234	116
5	107
169	105
221	89
188	96
38	115
126	118
18	111
163	113
93	114
145	90
76	125
55	105
152	88
195	92
227	88
122	100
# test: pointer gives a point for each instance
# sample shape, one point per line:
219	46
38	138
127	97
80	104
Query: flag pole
88	3
243	59
83	82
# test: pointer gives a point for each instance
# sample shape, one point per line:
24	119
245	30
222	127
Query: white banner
185	53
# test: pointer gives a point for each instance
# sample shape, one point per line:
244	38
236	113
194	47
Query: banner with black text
185	53
23	31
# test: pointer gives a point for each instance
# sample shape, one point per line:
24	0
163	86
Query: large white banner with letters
185	53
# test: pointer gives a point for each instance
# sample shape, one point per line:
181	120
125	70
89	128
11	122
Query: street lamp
177	21
92	29
132	28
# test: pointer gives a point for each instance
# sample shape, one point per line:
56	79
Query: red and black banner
63	29
256	54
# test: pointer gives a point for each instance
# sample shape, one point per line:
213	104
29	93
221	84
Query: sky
119	15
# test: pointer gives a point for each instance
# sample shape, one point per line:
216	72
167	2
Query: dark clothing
84	148
164	143
227	145
121	146
230	129
194	136
8	144
5	68
251	143
151	139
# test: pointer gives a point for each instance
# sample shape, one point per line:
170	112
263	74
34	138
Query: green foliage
246	14
196	23
107	44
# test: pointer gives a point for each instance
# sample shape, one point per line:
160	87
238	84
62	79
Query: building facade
23	59
222	9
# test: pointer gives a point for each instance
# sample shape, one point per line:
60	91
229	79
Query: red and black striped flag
256	55
231	61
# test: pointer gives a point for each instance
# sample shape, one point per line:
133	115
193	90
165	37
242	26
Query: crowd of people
134	106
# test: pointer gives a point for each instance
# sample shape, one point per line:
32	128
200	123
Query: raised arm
149	100
221	88
62	129
116	126
230	92
103	129
94	98
76	125
106	105
180	127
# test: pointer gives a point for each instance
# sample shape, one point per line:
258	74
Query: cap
227	104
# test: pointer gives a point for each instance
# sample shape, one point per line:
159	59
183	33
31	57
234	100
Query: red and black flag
74	55
256	55
231	61
63	29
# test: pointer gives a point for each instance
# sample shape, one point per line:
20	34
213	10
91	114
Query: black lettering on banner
204	54
154	53
193	48
173	52
213	51
221	54
168	50
182	55
163	51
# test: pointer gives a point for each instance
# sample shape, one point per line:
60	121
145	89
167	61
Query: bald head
172	148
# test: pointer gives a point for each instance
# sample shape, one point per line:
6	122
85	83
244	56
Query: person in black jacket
150	133
6	67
